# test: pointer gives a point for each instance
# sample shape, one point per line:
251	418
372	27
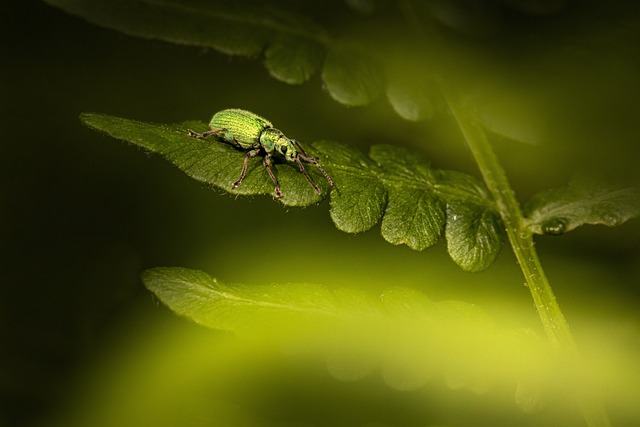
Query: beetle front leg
300	148
267	165
304	172
249	155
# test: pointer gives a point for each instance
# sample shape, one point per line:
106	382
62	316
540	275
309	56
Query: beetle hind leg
204	134
224	134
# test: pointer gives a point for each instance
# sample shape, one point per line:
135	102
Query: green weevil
248	131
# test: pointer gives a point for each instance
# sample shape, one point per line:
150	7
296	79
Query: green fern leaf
415	214
416	203
358	202
218	164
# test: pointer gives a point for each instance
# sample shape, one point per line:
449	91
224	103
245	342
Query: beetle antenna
313	160
299	148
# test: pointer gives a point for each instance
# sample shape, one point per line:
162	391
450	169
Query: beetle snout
288	150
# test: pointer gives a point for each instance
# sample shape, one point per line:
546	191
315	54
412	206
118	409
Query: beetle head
274	140
287	148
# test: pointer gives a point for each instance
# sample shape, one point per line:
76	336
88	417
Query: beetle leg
205	134
304	172
221	132
300	148
249	155
267	165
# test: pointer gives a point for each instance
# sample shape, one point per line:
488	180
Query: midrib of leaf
273	305
166	281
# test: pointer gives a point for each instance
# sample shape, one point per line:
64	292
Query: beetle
248	131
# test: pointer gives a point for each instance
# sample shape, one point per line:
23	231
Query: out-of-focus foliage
340	356
401	333
585	200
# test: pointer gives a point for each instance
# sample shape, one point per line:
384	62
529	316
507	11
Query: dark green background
82	215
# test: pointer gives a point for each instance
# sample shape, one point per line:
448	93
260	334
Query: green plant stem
521	240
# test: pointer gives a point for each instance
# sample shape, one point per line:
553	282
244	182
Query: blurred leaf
414	101
415	202
295	46
226	26
293	60
351	77
231	27
202	298
401	334
585	200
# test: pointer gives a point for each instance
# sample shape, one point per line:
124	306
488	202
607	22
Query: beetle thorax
272	140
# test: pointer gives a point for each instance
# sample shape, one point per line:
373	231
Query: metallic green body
249	131
243	128
256	135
